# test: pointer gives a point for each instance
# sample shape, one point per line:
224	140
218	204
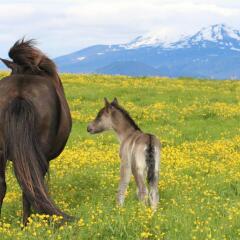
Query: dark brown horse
35	123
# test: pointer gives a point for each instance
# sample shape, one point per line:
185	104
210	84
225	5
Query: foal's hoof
154	209
120	204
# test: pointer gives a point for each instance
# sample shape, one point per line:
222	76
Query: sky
64	26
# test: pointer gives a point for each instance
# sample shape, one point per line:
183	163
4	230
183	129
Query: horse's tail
150	160
29	163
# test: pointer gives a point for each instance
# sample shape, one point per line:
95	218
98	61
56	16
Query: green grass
198	124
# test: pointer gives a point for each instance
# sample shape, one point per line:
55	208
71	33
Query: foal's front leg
3	186
125	175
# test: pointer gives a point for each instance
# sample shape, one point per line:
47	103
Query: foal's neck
124	130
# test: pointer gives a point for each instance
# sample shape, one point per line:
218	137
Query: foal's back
138	143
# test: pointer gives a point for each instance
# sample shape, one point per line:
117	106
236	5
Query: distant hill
128	68
213	52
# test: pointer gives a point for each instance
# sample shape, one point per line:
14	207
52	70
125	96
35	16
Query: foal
139	152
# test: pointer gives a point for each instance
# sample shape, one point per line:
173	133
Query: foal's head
111	116
103	120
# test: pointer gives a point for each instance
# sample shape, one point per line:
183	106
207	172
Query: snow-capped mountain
216	34
212	52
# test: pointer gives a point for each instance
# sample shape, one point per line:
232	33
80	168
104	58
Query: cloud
63	26
10	11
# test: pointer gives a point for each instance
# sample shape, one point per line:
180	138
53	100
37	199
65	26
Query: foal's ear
115	101
106	102
107	105
9	64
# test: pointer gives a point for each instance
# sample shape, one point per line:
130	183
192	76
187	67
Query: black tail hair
29	163
150	160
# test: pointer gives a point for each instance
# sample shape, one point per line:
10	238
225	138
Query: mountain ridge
212	52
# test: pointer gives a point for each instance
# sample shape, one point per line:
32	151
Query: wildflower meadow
198	123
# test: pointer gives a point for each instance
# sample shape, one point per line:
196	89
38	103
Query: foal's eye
98	118
100	113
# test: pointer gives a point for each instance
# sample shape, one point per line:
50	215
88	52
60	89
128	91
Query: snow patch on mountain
81	58
154	39
216	33
235	49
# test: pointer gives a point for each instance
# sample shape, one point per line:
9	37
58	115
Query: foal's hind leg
139	175
142	191
153	184
125	175
153	193
3	186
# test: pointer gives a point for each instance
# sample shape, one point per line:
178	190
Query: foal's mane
25	54
126	116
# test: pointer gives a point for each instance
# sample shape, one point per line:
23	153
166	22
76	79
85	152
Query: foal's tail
29	163
151	161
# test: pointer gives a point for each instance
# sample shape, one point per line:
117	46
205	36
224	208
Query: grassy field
198	122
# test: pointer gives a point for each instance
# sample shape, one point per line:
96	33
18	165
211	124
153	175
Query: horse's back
41	93
26	86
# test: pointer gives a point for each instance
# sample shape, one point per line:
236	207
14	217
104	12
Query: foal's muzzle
90	129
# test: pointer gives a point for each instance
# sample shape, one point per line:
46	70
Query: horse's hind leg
3	186
27	206
26	209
